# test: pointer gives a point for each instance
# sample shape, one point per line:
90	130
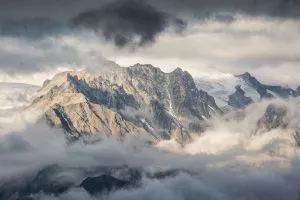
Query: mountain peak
177	70
238	99
245	75
164	105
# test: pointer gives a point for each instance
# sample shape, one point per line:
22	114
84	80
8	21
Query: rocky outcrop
135	100
238	99
87	118
186	99
274	117
176	90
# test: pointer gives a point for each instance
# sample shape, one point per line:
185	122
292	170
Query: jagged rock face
186	99
256	84
135	100
222	86
238	99
176	90
268	91
87	118
274	117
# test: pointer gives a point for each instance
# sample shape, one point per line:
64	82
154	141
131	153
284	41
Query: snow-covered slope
223	85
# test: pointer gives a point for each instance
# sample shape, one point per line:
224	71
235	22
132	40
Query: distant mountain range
117	101
143	100
235	92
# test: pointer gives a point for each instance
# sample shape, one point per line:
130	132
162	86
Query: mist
243	154
228	161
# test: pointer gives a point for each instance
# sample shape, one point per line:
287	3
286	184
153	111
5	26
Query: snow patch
222	85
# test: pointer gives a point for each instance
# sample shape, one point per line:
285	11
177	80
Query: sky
41	38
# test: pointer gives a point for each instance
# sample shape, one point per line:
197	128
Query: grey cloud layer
67	8
266	39
123	20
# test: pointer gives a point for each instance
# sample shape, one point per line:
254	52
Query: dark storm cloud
68	8
126	21
123	21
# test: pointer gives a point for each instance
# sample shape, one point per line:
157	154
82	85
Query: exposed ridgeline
236	92
134	100
269	91
239	100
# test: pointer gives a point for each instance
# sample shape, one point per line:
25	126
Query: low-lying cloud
254	166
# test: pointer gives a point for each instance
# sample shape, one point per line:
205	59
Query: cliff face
238	99
268	91
137	100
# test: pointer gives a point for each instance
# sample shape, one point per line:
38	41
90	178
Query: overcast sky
39	38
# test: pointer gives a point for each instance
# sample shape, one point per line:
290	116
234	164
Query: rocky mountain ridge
269	91
135	100
233	92
141	99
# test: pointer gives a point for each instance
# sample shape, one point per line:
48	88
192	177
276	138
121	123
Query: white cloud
267	47
241	166
248	44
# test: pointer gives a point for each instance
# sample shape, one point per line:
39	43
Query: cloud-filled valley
154	99
244	166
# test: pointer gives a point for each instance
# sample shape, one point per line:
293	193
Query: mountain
268	91
274	117
119	101
54	180
142	99
235	92
238	98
